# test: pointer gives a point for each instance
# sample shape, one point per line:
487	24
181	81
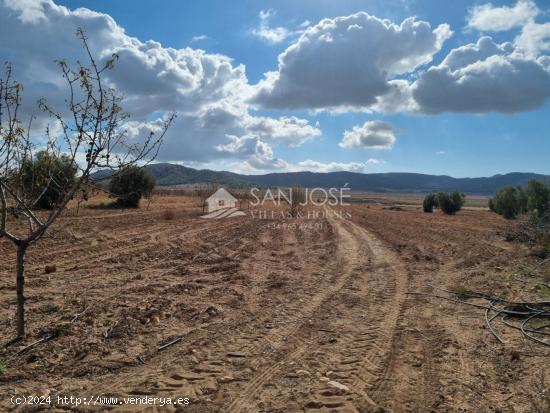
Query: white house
220	199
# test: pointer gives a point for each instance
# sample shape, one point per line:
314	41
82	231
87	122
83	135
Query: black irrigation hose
526	329
529	336
488	322
534	311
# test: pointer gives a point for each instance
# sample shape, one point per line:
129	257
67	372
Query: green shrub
506	202
429	203
522	200
492	205
538	196
450	203
130	184
457	199
513	201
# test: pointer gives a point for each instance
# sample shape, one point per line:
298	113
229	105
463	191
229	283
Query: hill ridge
168	174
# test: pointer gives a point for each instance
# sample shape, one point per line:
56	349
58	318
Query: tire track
363	356
352	258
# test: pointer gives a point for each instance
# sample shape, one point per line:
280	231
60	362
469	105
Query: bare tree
89	131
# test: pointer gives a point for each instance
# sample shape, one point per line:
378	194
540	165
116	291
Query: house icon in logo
221	204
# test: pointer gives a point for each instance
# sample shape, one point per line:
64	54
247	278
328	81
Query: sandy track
365	302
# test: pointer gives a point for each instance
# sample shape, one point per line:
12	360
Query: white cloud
181	79
270	34
207	90
534	38
287	129
373	135
316	166
258	154
484	77
266	162
199	38
348	62
487	17
439	153
30	11
219	132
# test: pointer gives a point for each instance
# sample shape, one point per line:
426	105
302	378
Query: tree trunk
21	251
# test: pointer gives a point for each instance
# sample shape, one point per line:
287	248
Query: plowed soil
270	315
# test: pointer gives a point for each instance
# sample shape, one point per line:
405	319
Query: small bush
429	203
450	203
3	367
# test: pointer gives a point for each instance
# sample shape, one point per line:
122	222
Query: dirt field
270	316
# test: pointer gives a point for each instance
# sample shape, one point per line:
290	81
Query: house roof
221	194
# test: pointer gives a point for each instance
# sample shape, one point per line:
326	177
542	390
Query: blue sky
490	138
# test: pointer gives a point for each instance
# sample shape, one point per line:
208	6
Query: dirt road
337	351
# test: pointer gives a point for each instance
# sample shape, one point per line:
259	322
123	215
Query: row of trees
512	201
449	203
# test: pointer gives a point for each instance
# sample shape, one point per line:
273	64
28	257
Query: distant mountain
395	182
171	174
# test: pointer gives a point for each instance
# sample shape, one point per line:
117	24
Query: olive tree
506	202
512	201
538	196
130	184
430	201
88	133
37	172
